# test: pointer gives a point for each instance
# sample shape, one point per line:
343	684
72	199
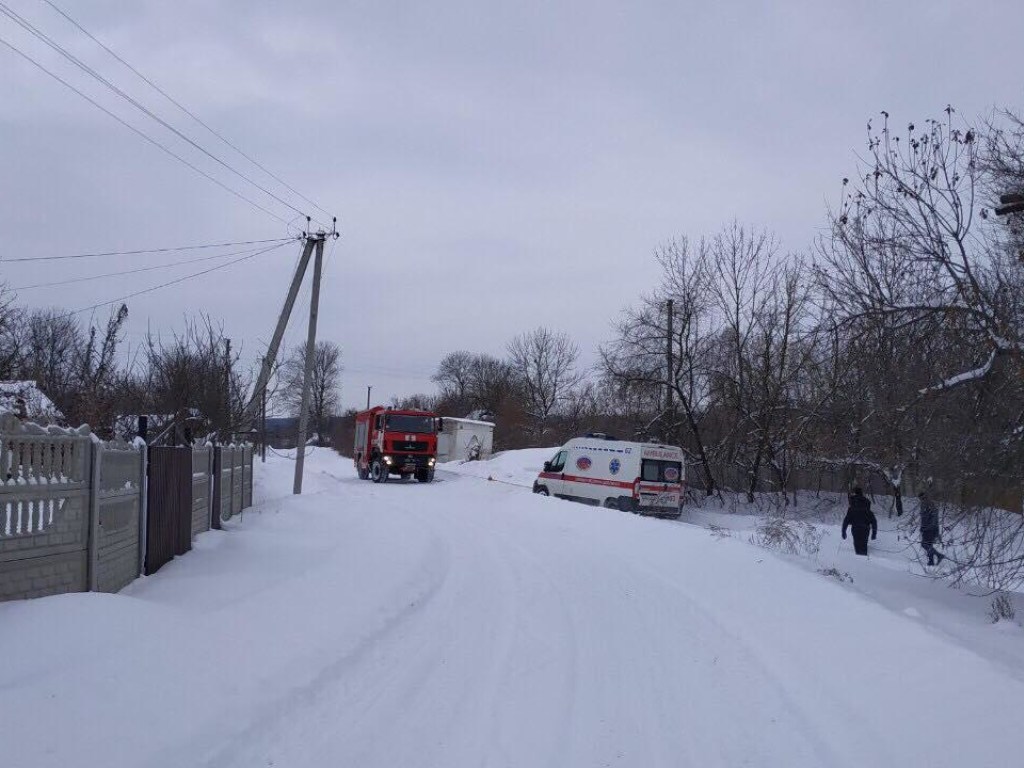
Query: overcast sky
493	166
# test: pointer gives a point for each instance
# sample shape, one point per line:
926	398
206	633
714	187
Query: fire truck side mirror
440	425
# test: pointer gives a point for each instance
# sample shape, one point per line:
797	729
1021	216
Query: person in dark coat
930	528
861	520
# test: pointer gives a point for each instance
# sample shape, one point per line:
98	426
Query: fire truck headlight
430	462
387	460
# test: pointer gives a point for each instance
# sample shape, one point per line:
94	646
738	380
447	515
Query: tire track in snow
424	588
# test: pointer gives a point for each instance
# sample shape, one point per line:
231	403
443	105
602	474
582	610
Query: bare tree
1003	165
910	241
417	402
324	397
10	344
635	363
94	401
544	363
454	375
51	341
190	380
473	382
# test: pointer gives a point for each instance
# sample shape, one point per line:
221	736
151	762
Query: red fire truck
396	442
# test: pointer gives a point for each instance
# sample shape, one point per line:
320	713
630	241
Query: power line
26	25
184	109
89	278
176	281
147	250
145	136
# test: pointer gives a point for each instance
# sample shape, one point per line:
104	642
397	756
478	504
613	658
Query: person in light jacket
862	520
930	529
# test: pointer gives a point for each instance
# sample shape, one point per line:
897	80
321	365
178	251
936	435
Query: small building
465	440
29	403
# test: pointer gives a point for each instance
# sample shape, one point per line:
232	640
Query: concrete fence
74	513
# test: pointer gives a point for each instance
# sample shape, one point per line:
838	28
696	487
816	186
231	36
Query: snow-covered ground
471	623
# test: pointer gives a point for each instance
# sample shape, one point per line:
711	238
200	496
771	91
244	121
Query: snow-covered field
471	623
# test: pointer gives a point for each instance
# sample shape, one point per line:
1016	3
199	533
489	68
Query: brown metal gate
169	501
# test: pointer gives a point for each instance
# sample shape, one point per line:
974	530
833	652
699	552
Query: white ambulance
634	477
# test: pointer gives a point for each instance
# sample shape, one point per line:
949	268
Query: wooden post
670	371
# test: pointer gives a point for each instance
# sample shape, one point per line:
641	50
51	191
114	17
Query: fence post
211	476
241	505
95	459
143	505
218	461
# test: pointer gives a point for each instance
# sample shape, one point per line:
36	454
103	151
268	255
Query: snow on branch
975	374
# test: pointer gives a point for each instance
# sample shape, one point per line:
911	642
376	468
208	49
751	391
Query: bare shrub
834	573
719	532
1001	608
792	538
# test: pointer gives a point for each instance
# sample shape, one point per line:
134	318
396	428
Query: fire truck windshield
422	425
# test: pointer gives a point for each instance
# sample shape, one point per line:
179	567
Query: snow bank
466	623
513	467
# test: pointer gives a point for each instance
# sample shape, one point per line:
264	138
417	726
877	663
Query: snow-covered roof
25	399
469	421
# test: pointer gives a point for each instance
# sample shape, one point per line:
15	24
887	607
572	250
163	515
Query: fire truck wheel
364	474
425	476
378	471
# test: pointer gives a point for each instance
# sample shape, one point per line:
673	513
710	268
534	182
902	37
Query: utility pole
314	308
669	369
227	388
275	342
263	425
368	397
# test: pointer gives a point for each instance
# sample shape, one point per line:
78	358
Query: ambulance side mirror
547	466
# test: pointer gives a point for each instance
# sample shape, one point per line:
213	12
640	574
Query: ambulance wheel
626	504
378	471
610	503
541	490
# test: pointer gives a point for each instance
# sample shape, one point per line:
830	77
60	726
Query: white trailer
465	440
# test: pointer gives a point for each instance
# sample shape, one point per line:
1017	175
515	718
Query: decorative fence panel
44	510
232	490
77	514
237	479
247	459
119	513
202	482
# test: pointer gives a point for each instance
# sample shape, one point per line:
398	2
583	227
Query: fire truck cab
395	442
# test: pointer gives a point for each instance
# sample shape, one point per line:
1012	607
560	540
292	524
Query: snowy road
468	623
